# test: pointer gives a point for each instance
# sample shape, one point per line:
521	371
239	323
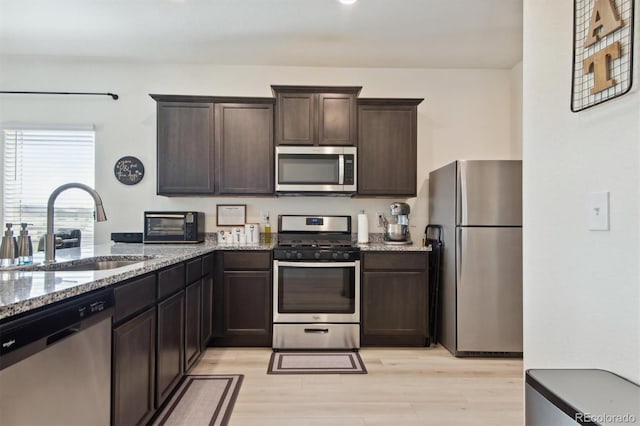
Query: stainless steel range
316	284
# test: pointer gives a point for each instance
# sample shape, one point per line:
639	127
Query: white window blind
35	163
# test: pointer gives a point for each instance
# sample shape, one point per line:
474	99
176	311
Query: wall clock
129	170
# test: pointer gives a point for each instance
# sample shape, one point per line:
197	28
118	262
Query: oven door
316	292
164	227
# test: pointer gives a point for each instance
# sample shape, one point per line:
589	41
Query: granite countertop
376	243
25	290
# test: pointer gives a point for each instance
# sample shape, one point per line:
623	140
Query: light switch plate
598	211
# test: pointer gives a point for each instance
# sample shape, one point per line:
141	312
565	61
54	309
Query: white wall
465	114
581	287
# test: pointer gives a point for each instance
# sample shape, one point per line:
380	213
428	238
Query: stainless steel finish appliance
55	365
316	284
396	230
479	205
173	227
316	169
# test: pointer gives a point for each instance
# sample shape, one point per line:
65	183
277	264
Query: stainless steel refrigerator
479	205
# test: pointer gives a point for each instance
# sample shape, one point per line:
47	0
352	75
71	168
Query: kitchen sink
98	263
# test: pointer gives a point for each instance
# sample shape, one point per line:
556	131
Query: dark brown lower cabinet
394	299
206	326
193	304
242	299
170	356
134	355
247	318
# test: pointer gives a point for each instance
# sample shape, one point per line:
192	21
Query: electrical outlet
264	215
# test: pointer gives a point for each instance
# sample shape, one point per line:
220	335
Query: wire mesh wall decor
602	51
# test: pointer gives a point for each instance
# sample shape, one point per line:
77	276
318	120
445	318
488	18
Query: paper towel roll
363	228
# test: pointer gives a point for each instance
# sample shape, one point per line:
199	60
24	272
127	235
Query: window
35	163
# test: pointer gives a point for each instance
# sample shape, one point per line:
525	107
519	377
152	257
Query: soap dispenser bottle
25	247
8	248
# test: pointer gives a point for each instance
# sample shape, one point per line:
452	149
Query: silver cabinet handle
316	330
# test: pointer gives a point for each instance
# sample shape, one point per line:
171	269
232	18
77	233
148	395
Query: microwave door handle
341	169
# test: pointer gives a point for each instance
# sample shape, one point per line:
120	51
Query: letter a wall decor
602	51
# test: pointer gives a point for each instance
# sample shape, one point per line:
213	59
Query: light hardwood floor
424	386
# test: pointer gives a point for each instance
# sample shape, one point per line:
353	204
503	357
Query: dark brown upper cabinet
244	143
214	145
316	115
185	155
387	147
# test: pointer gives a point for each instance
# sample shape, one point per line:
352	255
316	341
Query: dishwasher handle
29	334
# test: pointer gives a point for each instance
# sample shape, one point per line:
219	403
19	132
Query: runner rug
202	400
316	363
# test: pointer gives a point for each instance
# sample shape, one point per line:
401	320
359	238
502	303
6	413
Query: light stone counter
376	243
24	290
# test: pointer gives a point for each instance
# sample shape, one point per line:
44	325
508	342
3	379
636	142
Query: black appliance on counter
316	284
65	238
173	227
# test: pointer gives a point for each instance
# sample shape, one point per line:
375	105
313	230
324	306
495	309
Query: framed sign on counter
231	214
602	51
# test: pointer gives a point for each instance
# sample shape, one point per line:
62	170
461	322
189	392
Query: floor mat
316	363
202	400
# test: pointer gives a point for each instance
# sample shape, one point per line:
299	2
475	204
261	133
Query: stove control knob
299	255
288	254
316	255
335	255
346	256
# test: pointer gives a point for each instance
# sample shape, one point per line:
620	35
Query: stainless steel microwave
316	169
173	227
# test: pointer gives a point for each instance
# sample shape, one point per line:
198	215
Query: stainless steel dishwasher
55	365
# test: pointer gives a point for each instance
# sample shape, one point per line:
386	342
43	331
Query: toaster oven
173	227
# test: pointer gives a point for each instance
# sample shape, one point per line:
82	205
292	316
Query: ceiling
325	33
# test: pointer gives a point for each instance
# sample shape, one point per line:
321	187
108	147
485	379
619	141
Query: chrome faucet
50	237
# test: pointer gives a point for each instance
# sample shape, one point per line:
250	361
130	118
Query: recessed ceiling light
347	1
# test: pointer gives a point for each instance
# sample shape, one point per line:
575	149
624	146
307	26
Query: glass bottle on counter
267	231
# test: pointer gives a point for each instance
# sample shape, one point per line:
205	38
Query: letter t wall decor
602	51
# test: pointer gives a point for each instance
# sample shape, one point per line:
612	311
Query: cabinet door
336	119
206	330
134	355
185	156
295	118
244	140
247	308
394	308
193	304
387	147
170	361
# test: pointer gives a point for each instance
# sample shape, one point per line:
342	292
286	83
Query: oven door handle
318	264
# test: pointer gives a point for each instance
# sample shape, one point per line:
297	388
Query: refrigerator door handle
459	256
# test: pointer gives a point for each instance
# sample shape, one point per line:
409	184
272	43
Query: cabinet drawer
134	296
170	280
394	261
242	260
194	270
207	264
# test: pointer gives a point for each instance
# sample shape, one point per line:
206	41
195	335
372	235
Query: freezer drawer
489	289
